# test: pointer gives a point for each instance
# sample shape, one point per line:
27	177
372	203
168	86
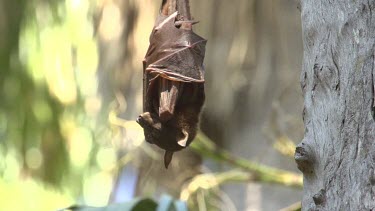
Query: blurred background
70	90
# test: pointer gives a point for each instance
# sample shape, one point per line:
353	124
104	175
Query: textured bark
337	154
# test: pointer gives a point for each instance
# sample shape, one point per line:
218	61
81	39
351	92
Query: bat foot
168	98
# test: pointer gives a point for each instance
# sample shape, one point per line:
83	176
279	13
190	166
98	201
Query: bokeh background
70	90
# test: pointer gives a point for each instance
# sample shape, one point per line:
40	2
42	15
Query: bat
173	80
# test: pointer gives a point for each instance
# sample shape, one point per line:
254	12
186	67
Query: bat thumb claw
191	22
167	158
194	22
182	142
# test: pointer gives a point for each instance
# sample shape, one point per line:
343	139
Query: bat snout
143	119
139	118
140	121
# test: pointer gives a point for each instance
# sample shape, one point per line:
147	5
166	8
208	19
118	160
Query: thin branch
214	180
262	173
294	207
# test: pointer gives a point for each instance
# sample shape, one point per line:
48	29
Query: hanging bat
173	80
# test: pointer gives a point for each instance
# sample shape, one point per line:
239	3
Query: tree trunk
337	154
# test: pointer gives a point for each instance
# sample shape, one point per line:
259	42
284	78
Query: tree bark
337	154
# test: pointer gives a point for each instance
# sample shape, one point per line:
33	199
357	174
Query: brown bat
173	80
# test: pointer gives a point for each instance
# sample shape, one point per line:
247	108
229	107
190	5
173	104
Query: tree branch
204	146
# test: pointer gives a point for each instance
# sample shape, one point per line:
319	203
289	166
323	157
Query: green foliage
30	195
134	205
49	106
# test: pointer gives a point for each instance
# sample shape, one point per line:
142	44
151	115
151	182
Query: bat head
146	120
165	135
171	136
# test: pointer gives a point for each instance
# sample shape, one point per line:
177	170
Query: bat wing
174	53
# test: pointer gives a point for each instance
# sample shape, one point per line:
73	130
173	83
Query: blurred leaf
134	205
165	203
30	195
180	206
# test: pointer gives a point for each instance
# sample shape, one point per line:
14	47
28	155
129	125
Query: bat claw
179	23
167	158
185	24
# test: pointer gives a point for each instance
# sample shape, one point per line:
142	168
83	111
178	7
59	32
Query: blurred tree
48	97
30	114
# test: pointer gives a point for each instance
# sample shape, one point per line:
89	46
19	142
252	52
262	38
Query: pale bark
337	154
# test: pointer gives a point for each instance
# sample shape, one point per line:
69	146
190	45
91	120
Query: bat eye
177	24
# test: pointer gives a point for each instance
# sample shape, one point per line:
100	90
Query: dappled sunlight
111	26
11	163
70	125
79	146
30	195
59	52
97	188
34	158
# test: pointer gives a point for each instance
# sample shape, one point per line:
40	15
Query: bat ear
167	158
182	141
